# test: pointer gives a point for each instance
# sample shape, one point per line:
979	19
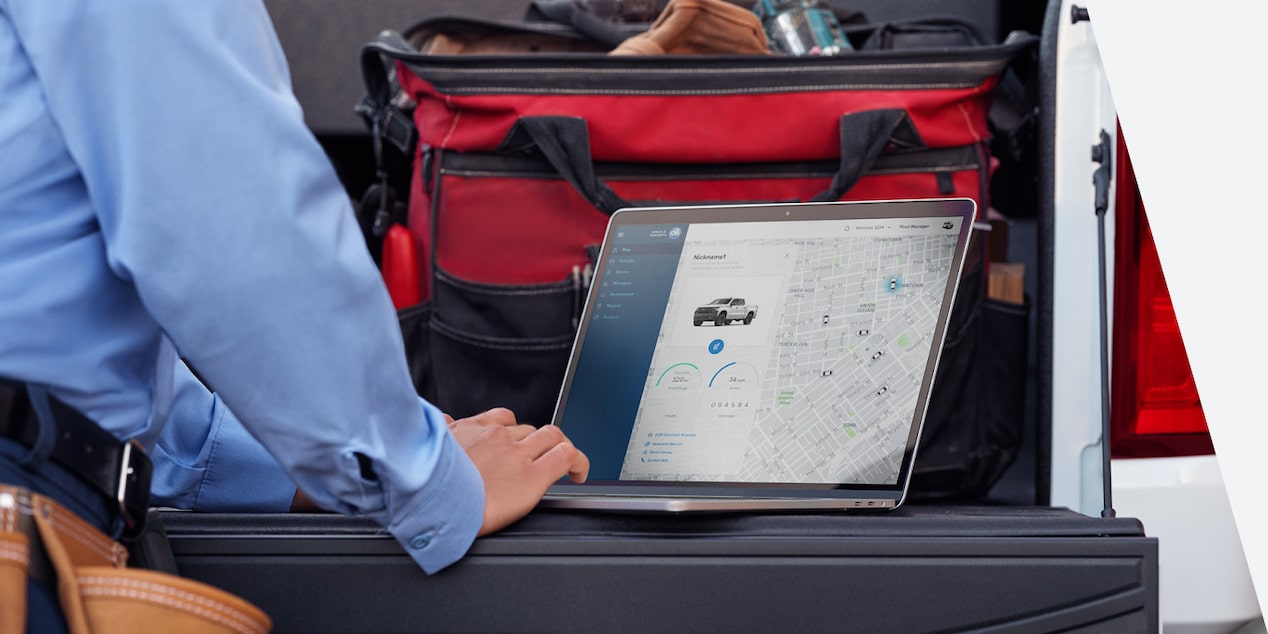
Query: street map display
817	381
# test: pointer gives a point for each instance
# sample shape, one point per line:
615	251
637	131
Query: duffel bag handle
565	143
864	136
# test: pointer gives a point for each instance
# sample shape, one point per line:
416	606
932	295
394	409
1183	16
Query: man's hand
518	463
302	504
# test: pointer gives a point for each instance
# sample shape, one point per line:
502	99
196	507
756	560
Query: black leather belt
119	471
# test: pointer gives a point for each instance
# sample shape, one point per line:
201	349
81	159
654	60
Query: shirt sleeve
206	460
218	204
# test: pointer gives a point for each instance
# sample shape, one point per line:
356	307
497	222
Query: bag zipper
598	74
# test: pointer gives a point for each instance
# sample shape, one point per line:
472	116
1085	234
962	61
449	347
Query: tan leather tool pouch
98	593
700	27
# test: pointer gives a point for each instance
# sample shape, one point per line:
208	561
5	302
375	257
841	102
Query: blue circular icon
715	346
675	233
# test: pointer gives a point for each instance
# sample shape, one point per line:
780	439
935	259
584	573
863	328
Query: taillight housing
1155	409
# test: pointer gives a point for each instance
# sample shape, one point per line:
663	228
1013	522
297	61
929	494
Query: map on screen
792	351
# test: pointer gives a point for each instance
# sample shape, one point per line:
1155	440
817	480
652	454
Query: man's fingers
496	416
517	462
563	459
555	453
520	432
543	439
467	431
558	455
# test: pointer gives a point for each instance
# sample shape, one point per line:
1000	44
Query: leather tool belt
41	540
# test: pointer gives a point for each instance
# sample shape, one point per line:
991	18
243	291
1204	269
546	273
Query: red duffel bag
521	157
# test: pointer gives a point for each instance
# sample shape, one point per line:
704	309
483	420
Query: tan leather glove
710	27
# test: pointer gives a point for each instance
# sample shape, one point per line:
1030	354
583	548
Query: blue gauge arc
662	374
715	374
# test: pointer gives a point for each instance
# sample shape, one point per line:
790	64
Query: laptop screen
763	345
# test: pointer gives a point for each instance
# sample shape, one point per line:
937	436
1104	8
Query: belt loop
43	445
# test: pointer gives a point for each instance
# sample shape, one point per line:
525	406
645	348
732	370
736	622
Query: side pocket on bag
941	458
974	424
513	311
1002	361
415	321
477	346
474	373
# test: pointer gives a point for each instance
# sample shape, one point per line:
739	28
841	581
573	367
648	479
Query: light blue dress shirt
161	198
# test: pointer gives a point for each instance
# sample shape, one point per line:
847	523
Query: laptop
760	357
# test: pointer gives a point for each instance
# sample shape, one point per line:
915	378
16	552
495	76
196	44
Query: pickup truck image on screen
725	310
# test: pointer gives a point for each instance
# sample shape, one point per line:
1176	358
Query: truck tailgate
916	569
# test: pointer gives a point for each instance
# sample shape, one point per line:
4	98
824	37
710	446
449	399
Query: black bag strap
584	22
565	144
864	137
968	33
378	207
378	70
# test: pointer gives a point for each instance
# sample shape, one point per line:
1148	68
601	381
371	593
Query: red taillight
1155	409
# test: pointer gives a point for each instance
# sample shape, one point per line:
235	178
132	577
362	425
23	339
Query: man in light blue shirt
160	200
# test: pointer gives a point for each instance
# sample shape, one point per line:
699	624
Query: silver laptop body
760	357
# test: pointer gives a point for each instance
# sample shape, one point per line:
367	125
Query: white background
1189	81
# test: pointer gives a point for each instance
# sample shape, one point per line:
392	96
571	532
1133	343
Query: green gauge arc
662	374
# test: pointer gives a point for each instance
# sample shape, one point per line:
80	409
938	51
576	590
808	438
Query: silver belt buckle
133	492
